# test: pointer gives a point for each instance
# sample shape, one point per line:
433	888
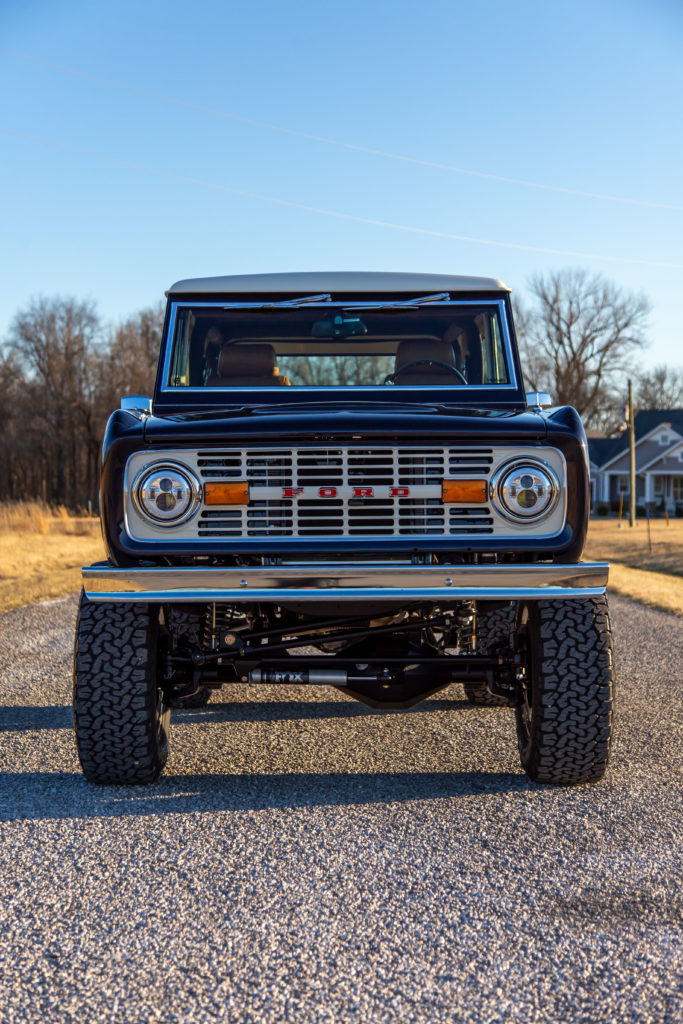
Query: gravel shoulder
306	859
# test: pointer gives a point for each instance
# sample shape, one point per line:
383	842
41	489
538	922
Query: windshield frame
182	398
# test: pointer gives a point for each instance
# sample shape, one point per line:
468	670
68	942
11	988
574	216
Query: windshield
272	347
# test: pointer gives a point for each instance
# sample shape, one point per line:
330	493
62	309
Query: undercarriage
389	661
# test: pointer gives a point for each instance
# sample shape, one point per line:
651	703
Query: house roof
605	449
310	283
647	419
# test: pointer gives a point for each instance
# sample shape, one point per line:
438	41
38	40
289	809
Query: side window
180	368
499	370
493	357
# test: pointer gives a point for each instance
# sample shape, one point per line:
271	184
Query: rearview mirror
338	327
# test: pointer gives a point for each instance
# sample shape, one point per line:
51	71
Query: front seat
246	366
422	372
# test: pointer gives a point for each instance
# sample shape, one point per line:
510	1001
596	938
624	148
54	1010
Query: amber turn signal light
227	494
472	491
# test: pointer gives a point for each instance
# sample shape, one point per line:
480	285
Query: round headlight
166	493
525	490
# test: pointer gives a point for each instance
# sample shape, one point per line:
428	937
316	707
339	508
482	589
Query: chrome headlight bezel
155	469
501	481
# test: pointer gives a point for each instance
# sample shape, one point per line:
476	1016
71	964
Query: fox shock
327	676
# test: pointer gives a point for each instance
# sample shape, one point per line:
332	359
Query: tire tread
115	695
571	726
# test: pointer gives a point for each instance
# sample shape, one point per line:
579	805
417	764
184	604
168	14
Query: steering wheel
389	379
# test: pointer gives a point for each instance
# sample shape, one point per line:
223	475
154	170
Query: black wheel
198	700
120	720
494	628
564	723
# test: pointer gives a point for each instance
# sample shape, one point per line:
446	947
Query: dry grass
42	551
607	541
655	576
37	518
654	588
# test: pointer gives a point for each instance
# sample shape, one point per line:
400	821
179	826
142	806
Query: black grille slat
270	519
220	523
470	521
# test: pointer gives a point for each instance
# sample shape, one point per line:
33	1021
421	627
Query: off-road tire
564	724
120	721
493	627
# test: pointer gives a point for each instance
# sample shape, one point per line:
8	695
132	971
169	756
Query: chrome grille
312	513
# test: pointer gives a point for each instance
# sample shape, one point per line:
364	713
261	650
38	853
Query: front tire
564	723
120	720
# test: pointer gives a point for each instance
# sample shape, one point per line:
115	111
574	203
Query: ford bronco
340	481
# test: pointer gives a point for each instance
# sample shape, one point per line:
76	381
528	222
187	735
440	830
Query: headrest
213	337
418	351
247	360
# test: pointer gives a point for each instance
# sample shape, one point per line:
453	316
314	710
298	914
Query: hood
326	422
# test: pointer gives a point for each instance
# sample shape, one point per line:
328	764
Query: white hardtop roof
353	281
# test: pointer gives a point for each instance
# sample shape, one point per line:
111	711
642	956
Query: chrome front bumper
360	582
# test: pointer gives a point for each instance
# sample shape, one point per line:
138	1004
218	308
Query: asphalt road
305	859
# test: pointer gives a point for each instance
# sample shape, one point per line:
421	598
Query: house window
677	488
623	485
664	439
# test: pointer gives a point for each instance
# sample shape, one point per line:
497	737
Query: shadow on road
292	710
44	795
59	795
33	719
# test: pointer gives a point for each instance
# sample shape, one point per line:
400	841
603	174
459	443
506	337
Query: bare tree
124	365
660	388
330	370
132	353
59	381
11	415
54	339
579	338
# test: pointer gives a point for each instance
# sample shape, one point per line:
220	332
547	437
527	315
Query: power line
333	213
336	142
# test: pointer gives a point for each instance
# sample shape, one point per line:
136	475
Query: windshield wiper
310	300
423	300
306	300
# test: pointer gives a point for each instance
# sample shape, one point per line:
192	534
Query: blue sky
582	97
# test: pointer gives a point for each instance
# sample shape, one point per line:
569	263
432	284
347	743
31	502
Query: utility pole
632	440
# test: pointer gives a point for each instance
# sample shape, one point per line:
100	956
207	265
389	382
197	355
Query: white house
659	463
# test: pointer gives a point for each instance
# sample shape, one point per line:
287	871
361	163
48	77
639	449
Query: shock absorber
289	676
